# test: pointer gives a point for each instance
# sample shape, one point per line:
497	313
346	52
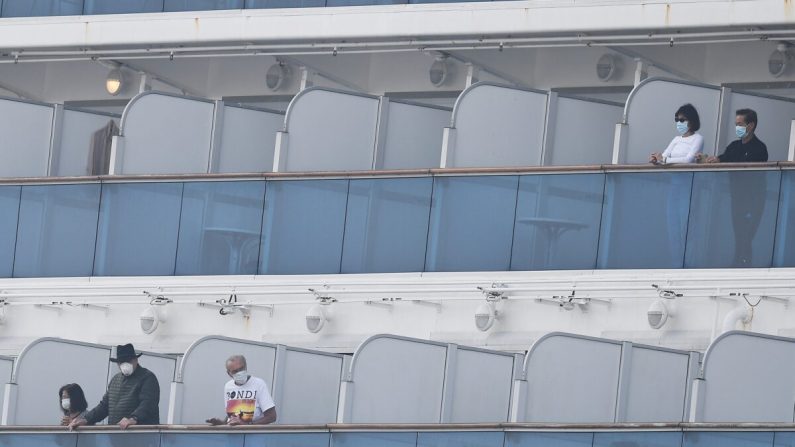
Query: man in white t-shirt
248	401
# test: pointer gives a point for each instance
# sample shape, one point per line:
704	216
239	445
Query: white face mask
66	404
240	377
126	368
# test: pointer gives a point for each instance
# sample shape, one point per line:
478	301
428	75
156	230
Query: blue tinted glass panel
644	220
253	4
288	440
220	225
201	5
557	222
460	439
122	6
446	1
373	439
471	223
33	8
130	439
733	218
535	439
138	227
303	226
9	212
728	439
364	2
386	227
784	254
200	440
784	439
57	230
645	439
38	440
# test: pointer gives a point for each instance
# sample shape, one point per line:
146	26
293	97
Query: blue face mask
681	128
741	131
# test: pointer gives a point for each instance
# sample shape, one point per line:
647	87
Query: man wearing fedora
133	395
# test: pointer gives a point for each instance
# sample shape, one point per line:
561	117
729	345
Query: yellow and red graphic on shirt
242	408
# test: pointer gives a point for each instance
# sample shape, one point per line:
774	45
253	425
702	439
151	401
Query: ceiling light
439	72
605	67
659	312
277	76
151	318
485	316
115	82
316	318
778	61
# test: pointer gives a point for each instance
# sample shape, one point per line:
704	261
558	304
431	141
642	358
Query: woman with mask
73	402
686	147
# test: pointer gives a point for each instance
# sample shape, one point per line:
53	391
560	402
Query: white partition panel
748	378
26	128
396	379
329	130
248	139
309	387
6	370
74	149
581	132
650	111
413	135
495	126
165	134
577	379
775	116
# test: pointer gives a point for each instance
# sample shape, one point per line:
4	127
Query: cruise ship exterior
424	222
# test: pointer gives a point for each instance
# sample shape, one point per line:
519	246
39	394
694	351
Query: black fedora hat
124	353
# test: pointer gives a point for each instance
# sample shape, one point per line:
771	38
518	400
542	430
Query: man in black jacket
133	395
747	147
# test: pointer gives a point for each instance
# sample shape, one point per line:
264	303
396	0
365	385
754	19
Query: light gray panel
248	140
749	379
398	381
657	384
481	387
331	131
310	389
204	376
775	118
6	367
583	133
651	116
26	130
38	383
572	380
166	135
498	126
75	148
414	136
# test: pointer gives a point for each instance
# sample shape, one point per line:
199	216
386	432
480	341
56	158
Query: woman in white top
685	147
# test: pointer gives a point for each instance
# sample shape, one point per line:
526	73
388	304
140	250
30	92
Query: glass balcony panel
784	439
57	230
733	219
364	2
256	4
644	220
122	6
386	227
557	222
383	439
138	228
201	5
36	8
288	440
460	439
220	228
303	226
540	439
130	439
784	253
728	439
38	440
631	439
201	440
9	214
472	223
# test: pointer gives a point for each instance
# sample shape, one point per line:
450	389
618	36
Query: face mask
66	404
126	368
740	130
681	128
240	377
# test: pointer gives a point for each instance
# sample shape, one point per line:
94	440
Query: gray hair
236	358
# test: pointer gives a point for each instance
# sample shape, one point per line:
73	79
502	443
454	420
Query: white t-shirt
684	149
248	401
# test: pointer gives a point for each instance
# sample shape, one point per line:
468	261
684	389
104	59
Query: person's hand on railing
126	422
235	420
712	159
656	158
77	422
215	421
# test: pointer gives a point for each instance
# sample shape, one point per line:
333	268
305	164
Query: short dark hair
693	122
749	116
77	399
